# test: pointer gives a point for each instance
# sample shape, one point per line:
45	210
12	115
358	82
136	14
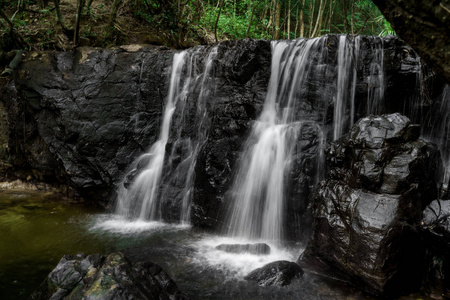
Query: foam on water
236	266
122	225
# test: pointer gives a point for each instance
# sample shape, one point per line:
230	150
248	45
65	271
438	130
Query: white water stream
143	199
140	200
259	188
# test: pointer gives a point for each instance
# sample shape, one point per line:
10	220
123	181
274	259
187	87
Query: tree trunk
302	22
76	34
288	16
330	16
352	23
251	19
66	30
18	39
271	13
345	17
7	19
312	6
318	26
13	64
277	21
217	19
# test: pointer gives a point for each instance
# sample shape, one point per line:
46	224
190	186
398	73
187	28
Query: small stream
37	229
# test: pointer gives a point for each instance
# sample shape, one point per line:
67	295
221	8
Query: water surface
37	229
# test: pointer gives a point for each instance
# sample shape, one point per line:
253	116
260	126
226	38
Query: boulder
277	273
258	248
436	234
381	176
114	277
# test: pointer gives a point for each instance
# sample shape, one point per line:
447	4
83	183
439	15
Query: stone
258	248
437	213
436	235
277	273
381	176
411	18
113	277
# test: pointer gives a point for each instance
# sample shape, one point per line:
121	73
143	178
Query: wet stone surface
277	273
381	176
112	277
258	248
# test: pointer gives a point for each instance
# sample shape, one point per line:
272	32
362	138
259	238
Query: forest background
64	24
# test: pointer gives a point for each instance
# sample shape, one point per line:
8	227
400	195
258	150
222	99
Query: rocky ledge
113	277
367	212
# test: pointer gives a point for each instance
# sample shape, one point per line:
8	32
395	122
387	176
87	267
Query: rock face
77	120
410	18
436	234
366	213
113	277
277	273
258	248
80	118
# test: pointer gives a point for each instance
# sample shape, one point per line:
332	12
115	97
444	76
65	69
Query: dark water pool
37	229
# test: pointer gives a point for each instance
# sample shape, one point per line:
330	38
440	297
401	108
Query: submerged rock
258	248
381	176
277	273
114	277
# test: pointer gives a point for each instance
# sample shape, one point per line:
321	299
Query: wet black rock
113	277
277	273
258	248
438	214
381	176
81	118
436	235
242	77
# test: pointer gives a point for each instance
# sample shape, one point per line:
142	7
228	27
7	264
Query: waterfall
140	200
193	144
439	132
139	195
258	192
344	107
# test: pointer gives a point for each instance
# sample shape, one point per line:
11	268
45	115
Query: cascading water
259	188
192	144
139	195
439	133
348	56
376	84
344	108
140	200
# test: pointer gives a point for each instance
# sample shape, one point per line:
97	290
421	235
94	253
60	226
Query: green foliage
182	23
258	18
386	26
